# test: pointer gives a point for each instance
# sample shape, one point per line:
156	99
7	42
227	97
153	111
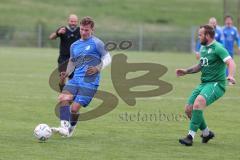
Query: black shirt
66	41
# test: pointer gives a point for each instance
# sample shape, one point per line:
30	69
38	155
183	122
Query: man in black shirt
67	34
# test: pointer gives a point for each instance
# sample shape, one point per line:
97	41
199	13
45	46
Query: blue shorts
82	95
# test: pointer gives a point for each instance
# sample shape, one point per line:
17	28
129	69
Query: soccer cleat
61	130
187	141
207	138
65	130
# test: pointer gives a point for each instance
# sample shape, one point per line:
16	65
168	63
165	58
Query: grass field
27	100
25	13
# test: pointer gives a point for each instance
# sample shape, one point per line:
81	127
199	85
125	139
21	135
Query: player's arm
69	70
231	70
58	33
194	69
105	59
224	55
53	36
70	67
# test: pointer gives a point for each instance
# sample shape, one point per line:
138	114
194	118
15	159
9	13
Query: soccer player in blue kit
231	35
88	57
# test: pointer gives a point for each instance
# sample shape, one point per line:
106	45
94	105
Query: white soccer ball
42	132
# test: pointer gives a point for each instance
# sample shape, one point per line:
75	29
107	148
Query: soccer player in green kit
213	61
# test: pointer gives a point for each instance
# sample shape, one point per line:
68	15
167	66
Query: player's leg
65	98
191	99
188	140
211	92
74	117
197	115
196	120
82	99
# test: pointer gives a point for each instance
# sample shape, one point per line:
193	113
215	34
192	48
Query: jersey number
204	61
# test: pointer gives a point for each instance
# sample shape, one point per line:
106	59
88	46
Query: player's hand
62	30
180	72
92	70
231	80
63	76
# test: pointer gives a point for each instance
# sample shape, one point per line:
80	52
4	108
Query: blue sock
64	113
74	118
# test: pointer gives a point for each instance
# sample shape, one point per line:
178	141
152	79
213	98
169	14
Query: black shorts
62	63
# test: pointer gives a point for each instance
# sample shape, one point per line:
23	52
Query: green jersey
213	58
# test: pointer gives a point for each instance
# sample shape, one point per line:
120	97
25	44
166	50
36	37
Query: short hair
212	19
228	16
208	29
87	21
73	16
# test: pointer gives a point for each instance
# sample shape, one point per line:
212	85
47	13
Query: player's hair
228	16
208	29
87	21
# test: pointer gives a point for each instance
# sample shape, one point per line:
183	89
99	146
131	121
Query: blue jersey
230	35
85	53
218	37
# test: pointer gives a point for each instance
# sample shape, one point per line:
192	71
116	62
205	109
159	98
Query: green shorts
211	91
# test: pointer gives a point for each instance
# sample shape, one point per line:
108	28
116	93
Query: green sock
203	125
196	120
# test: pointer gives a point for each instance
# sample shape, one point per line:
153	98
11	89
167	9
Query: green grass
27	100
114	13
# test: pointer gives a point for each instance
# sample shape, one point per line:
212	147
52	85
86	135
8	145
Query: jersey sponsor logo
209	50
87	48
204	61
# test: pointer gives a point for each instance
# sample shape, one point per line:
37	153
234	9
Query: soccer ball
42	132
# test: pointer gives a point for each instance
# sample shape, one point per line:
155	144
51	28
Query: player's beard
72	27
204	41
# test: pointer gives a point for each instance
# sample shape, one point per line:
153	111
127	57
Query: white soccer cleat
64	132
61	130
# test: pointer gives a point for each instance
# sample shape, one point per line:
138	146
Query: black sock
74	118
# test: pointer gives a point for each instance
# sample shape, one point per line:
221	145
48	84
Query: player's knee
199	103
65	98
75	107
